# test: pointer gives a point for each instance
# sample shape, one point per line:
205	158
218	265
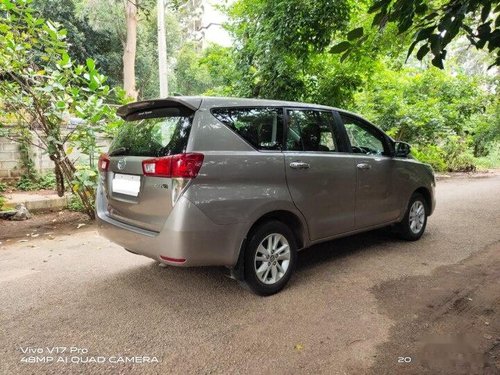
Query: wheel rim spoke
282	249
280	268
284	256
274	274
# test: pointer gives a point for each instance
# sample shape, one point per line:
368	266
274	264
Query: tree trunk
130	49
67	170
59	180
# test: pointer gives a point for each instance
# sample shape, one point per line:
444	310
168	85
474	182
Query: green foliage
41	86
279	44
434	24
27	163
443	115
211	71
492	160
109	17
46	181
423	106
458	155
26	184
430	154
75	204
85	40
192	77
486	130
85	183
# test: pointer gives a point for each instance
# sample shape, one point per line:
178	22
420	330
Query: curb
42	204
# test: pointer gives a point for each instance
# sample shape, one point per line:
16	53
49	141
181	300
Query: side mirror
402	149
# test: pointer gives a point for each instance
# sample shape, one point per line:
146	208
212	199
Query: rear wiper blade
119	151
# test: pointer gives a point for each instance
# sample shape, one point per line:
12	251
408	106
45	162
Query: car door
321	179
376	201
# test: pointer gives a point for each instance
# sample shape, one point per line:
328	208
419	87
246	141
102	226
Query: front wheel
413	224
270	258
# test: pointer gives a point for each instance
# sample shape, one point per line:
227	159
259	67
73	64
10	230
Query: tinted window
310	130
363	139
261	127
152	135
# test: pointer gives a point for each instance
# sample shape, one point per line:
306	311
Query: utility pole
162	48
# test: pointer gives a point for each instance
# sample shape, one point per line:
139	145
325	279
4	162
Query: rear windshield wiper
119	151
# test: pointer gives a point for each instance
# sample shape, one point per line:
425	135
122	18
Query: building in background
202	22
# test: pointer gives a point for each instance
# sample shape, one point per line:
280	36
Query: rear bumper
187	234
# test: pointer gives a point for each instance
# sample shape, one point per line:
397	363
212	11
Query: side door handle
299	165
364	166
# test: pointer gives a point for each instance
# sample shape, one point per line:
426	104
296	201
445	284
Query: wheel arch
427	196
292	220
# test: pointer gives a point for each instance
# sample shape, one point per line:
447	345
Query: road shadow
332	251
211	285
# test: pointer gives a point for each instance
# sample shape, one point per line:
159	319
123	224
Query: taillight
103	163
175	166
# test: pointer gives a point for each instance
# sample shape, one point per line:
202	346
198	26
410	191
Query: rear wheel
270	258
413	224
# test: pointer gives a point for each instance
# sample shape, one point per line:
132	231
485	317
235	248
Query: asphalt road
79	298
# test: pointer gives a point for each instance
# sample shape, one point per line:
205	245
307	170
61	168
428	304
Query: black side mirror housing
401	149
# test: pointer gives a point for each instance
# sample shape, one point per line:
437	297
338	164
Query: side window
261	127
363	140
310	130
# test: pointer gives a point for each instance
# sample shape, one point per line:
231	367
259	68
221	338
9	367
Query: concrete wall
10	165
9	159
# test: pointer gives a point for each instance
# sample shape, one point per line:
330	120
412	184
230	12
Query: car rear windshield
158	132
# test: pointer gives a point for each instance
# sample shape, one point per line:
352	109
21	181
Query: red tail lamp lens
175	166
103	163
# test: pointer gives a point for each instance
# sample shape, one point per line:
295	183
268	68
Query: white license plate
126	184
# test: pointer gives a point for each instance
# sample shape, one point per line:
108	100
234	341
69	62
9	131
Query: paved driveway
78	298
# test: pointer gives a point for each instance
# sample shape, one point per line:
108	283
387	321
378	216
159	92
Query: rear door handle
364	166
299	165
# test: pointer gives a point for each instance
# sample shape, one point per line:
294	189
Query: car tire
270	258
414	222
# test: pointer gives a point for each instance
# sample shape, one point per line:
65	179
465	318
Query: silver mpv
243	183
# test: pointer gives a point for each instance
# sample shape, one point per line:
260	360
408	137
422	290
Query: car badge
121	164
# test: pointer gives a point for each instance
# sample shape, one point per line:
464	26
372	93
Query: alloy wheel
272	258
417	217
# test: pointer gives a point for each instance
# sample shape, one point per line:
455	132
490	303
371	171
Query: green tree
40	86
210	71
85	41
435	24
108	16
276	40
445	116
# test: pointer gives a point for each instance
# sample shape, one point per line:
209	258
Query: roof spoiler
171	102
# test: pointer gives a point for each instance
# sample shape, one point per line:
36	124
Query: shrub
459	157
432	155
492	160
38	182
85	181
75	204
